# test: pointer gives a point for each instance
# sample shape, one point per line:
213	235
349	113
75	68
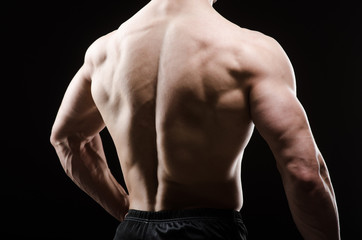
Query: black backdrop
322	39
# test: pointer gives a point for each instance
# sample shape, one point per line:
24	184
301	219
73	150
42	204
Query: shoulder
96	54
97	51
266	58
265	49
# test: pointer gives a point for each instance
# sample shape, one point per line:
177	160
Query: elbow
63	150
54	141
69	149
308	182
61	139
55	137
60	135
303	174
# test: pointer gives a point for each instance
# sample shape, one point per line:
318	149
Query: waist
172	195
183	214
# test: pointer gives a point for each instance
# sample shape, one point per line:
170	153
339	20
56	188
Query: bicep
78	114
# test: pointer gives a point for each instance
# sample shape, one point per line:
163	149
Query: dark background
322	39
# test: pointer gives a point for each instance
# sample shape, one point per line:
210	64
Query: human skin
180	89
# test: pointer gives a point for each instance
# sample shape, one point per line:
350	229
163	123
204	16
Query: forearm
313	206
85	163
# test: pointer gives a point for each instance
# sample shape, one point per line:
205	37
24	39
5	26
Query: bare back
172	95
180	89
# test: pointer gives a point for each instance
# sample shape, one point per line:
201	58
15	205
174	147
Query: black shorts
195	224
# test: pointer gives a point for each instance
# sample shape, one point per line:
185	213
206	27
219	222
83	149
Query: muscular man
180	88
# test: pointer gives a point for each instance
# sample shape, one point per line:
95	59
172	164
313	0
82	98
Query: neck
179	4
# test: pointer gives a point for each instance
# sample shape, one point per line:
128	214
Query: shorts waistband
201	213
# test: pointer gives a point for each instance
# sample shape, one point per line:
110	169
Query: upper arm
278	115
78	115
